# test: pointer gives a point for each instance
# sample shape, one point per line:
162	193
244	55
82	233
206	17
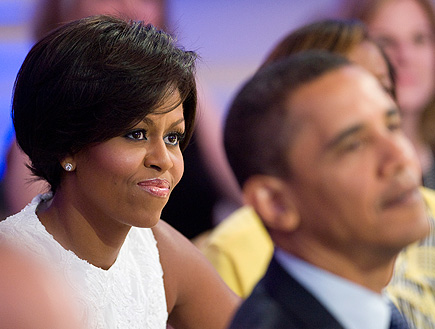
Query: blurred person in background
405	30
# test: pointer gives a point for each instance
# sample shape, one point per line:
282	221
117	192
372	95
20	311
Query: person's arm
197	297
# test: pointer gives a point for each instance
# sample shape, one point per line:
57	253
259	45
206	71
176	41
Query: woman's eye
421	39
394	126
137	135
173	138
395	123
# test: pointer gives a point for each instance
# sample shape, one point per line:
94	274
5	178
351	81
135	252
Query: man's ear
273	201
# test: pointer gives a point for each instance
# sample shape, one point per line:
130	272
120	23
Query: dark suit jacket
279	301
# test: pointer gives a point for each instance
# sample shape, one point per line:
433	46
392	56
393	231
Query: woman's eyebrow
176	123
151	123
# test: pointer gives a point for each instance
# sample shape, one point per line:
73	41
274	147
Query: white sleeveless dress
129	295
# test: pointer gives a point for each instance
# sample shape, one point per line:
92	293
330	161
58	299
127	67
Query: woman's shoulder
167	236
175	250
194	291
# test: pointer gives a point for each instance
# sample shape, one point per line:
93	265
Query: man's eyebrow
391	112
343	135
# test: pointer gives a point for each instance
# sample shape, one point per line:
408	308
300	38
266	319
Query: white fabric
128	295
354	306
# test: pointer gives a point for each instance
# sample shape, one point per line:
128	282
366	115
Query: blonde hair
333	35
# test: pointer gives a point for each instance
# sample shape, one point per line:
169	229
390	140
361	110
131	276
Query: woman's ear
68	163
273	201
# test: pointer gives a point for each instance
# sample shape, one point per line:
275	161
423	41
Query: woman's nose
158	156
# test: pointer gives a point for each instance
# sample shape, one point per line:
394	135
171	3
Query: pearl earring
68	166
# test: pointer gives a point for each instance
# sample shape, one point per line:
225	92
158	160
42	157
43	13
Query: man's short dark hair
258	129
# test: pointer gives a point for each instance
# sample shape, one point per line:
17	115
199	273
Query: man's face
355	175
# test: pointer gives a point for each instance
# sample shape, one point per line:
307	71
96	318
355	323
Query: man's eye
137	135
353	146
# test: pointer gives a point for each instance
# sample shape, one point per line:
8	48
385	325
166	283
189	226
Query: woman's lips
156	187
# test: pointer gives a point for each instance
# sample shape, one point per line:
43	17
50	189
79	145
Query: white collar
354	306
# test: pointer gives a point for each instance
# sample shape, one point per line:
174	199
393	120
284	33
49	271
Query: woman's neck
91	239
411	128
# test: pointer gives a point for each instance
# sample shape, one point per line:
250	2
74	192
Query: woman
103	109
405	30
345	37
207	179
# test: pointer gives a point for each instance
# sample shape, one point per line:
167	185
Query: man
317	145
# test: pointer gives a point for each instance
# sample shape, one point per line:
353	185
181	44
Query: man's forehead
338	90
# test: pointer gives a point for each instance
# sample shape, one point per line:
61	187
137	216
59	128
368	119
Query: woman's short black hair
92	80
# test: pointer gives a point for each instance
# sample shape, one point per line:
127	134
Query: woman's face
128	179
403	29
368	55
151	11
